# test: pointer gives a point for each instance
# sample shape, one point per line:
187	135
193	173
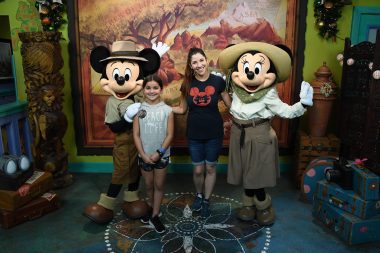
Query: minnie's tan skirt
255	163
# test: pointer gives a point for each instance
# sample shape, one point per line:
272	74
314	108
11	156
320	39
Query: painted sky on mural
243	12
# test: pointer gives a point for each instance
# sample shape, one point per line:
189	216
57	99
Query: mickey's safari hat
280	58
124	50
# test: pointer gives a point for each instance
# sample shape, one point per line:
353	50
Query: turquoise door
365	22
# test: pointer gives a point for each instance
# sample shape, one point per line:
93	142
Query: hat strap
125	53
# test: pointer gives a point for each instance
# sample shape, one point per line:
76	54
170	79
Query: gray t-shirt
153	126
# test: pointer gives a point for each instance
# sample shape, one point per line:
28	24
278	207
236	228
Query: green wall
317	51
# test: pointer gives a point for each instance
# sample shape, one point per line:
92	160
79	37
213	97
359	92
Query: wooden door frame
357	20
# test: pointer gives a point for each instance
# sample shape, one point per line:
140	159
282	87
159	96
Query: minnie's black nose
250	75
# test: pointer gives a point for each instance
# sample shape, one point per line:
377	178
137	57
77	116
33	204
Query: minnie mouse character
253	69
123	69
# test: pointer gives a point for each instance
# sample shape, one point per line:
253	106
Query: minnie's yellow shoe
248	211
265	213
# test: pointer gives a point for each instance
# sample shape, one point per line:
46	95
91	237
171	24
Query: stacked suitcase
350	206
32	199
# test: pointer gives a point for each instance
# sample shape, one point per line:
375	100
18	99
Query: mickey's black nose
250	75
120	80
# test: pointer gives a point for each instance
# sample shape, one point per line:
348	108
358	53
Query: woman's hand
182	108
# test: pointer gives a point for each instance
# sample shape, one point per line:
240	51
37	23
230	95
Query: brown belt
242	127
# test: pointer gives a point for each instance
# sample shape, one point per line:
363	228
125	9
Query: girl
201	92
153	131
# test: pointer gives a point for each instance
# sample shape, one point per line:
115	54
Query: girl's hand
146	158
155	157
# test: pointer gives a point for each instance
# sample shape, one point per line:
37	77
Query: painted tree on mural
144	20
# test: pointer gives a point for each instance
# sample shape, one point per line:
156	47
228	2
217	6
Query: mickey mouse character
123	69
253	69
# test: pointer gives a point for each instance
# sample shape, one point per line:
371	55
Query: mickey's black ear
153	63
97	54
287	50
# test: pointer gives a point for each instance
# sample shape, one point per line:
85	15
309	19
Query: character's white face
122	79
199	64
252	72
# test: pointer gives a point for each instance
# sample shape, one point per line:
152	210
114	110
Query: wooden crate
309	147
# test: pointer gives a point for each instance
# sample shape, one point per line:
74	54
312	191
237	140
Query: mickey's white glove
219	74
131	112
160	48
306	94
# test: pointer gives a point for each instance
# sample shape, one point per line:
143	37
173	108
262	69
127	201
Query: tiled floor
67	231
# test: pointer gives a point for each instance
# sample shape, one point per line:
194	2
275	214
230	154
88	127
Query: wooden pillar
42	61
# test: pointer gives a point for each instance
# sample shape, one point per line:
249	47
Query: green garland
51	14
327	13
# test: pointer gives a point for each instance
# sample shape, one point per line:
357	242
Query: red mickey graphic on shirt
202	98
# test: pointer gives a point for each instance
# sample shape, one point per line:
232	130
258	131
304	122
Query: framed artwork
208	24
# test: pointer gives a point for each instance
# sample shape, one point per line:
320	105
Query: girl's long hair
189	73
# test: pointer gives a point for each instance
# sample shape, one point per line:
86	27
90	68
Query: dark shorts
205	151
161	164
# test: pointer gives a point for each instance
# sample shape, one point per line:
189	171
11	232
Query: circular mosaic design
187	232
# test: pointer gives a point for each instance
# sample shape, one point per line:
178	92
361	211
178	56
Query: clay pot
325	93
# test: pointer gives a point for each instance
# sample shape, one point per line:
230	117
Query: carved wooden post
42	60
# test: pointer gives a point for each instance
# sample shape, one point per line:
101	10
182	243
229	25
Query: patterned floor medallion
187	232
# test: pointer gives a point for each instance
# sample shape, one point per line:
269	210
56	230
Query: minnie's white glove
160	48
131	112
306	94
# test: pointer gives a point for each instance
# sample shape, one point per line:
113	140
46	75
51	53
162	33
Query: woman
201	92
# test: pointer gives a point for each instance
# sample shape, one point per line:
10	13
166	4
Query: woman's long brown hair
189	73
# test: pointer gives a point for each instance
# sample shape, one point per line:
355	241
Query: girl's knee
198	170
159	187
211	169
149	186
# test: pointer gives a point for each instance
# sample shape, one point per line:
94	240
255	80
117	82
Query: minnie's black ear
153	63
287	50
97	54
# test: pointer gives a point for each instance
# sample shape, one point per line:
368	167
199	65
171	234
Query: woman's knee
211	168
